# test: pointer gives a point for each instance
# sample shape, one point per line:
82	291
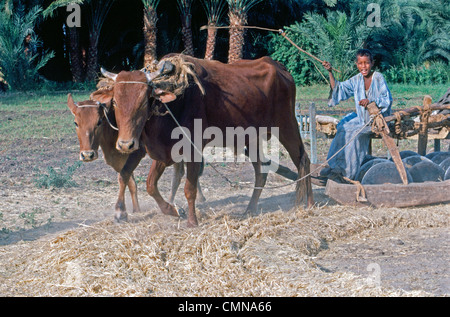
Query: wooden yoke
380	127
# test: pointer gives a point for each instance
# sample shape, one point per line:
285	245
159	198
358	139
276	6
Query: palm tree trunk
150	34
237	20
187	34
211	42
92	56
76	60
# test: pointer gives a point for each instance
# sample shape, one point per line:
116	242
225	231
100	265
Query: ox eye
76	124
99	122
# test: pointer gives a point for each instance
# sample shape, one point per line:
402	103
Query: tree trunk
150	35
211	42
92	57
187	34
76	59
235	51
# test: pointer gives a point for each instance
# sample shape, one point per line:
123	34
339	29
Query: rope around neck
97	105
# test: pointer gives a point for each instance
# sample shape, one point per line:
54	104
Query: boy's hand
364	103
327	66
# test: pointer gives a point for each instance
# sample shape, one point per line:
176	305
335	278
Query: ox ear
104	96
71	104
164	96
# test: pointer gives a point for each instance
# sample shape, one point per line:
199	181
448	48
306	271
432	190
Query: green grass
404	95
45	114
36	115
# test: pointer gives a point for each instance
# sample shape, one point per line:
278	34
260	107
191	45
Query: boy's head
364	62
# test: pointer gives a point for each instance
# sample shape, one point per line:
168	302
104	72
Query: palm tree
214	11
99	9
436	16
185	12
150	30
238	10
76	59
336	38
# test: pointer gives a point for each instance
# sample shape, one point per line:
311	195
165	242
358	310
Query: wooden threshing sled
432	122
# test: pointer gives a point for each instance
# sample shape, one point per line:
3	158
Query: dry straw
268	255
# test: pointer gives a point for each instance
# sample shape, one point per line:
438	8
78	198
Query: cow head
88	120
130	95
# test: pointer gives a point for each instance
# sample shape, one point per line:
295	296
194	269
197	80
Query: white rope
97	105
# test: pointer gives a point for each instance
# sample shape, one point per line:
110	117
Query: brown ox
258	93
94	130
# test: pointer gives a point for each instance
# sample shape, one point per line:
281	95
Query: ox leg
132	187
260	181
121	214
296	150
126	177
201	197
190	191
178	173
156	170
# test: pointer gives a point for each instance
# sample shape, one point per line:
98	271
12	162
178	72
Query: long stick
280	31
283	34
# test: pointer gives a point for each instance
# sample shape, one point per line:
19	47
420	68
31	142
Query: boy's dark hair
364	52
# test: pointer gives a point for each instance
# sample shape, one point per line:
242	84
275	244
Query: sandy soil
402	257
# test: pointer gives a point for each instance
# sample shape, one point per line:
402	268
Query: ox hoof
192	224
171	211
121	217
181	212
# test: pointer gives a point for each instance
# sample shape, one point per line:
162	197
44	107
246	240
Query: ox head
88	121
130	95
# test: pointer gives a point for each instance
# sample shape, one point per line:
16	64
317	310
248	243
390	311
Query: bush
426	74
300	67
20	60
58	179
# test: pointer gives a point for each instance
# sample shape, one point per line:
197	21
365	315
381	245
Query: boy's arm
339	90
328	67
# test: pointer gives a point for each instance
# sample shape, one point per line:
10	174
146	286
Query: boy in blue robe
366	87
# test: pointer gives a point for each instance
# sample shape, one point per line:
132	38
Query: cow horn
108	74
163	67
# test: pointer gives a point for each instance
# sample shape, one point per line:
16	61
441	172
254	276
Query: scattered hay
268	255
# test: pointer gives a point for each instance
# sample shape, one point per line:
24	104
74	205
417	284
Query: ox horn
163	67
108	74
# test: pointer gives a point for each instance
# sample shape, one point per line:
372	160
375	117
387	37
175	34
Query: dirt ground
329	251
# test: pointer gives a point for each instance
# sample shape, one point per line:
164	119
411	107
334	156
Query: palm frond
51	10
242	6
151	3
214	9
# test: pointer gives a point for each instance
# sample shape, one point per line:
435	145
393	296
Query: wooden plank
391	195
414	111
313	132
423	132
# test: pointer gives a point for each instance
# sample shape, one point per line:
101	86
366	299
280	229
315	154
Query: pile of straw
267	255
178	80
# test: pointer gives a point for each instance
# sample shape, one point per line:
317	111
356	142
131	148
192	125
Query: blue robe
348	161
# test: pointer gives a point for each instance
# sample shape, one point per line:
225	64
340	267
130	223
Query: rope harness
98	105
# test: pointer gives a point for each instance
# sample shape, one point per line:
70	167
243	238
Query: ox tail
304	194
